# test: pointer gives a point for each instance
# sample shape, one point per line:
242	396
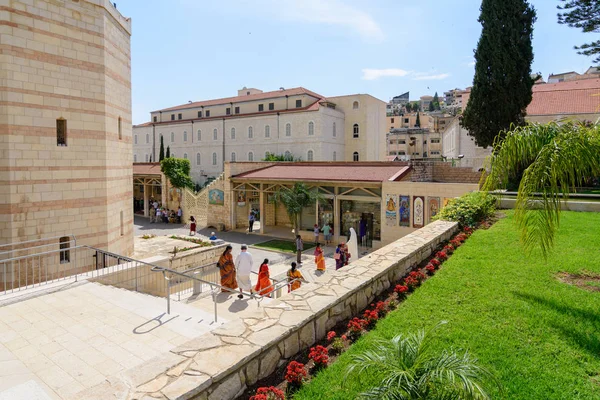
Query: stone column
262	209
146	199
164	188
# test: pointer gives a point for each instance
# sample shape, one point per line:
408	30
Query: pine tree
436	101
168	152
583	14
418	122
161	153
502	83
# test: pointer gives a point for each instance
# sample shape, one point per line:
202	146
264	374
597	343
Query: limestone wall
221	364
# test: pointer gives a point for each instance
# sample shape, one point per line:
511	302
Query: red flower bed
268	393
331	335
435	262
295	374
356	327
448	249
371	316
430	269
441	255
319	355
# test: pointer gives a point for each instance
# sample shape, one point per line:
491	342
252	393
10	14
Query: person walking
264	286
295	278
327	233
179	215
227	270
299	248
192	226
244	268
339	261
319	258
251	218
316	231
158	214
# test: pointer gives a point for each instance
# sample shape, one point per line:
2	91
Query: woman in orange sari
319	259
227	270
264	285
294	278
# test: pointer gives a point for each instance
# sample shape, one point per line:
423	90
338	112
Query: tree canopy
584	15
161	153
279	157
502	86
295	199
177	170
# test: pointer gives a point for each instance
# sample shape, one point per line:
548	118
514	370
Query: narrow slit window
65	253
61	132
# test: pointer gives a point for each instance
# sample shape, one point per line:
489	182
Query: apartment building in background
65	162
295	122
411	143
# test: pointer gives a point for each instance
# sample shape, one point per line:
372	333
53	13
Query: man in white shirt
244	263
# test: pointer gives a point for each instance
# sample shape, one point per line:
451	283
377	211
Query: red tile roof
146	169
563	98
329	171
258	96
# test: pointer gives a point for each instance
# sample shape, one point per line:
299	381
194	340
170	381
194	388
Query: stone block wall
221	364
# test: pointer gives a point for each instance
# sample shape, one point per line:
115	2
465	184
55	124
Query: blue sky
203	49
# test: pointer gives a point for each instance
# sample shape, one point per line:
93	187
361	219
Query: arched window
287	154
309	155
146	158
172	137
267	131
135	158
311	128
335	156
355	105
250	156
214	158
198	159
215	134
135	139
355	156
233	156
288	129
233	133
250	133
185	155
355	131
334	130
185	136
199	135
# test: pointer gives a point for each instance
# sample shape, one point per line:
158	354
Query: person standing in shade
319	259
244	268
299	248
327	233
158	214
251	221
227	270
295	278
338	256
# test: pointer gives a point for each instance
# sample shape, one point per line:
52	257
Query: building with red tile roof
576	99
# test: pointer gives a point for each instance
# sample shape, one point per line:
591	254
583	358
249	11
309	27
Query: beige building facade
414	143
65	123
294	122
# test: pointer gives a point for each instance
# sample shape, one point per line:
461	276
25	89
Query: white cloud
424	77
370	74
329	12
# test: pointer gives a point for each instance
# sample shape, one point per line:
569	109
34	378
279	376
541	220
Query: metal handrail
38	240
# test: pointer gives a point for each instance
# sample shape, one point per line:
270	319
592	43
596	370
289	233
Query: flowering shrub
418	275
331	335
356	327
455	243
468	230
430	269
344	337
461	237
295	374
268	393
469	209
382	307
371	316
393	300
448	249
411	282
319	355
338	344
435	262
441	255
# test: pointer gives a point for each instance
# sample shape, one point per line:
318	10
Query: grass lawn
286	246
539	336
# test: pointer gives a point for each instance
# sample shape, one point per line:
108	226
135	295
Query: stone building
65	123
295	122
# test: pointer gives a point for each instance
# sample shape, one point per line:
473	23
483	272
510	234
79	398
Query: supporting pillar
164	188
262	209
146	199
336	216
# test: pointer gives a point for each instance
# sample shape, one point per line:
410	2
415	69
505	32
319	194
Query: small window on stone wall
65	253
122	225
120	128
61	132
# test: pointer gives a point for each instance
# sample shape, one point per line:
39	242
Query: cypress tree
436	101
418	122
431	106
168	152
502	83
161	153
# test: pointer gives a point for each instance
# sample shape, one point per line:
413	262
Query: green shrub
469	209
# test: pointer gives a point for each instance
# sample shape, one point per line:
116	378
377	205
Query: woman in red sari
264	285
227	270
319	259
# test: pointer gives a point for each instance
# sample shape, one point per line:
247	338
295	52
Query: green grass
540	337
285	246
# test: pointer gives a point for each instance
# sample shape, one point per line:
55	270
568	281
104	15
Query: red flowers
355	327
296	373
268	393
468	230
430	269
331	335
319	355
449	249
401	289
371	316
441	255
382	307
455	243
435	262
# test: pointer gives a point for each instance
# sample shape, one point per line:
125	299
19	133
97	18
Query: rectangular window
155	119
207	113
392	120
261	107
271	106
172	117
65	253
237	110
61	132
402	141
179	116
298	103
122	225
120	129
228	111
435	140
199	114
406	120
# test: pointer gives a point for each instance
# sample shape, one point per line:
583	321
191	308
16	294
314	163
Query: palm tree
295	199
555	160
408	368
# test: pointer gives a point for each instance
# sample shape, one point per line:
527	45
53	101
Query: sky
184	50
